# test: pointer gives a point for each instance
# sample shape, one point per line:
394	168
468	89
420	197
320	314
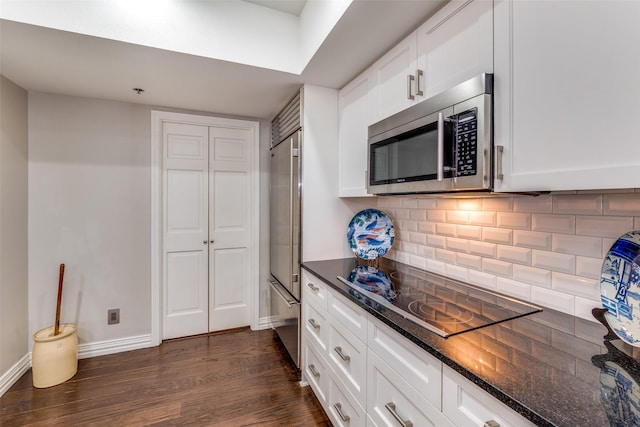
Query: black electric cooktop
443	305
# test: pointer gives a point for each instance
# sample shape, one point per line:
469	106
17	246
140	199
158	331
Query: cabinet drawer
314	290
466	404
343	410
348	314
347	357
421	370
316	372
315	325
391	399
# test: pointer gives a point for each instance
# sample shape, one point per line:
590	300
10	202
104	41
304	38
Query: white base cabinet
365	373
467	405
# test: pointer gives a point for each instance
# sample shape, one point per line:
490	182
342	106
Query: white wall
14	330
89	200
325	217
546	249
89	189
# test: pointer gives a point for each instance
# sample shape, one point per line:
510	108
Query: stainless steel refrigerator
285	219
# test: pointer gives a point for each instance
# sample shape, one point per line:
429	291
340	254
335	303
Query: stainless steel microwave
442	144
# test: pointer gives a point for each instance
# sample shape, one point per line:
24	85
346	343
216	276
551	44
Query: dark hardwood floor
239	378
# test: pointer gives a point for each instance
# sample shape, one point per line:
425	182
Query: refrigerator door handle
283	293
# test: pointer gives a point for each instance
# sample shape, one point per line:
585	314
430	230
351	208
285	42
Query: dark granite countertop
552	368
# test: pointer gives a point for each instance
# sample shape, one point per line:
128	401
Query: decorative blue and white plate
370	234
620	287
372	280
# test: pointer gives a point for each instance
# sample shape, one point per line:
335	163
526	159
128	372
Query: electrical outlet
113	316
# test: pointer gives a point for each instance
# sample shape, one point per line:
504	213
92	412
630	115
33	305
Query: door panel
185	229
229	227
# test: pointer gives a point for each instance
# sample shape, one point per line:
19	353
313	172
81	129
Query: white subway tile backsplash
427	227
514	220
426	203
554	261
553	299
436	215
539	204
532	239
487	281
483	249
577	245
456	272
418	214
487	219
497	235
553	223
514	288
575	285
531	275
409	203
419	238
583	307
503	204
446	256
499	268
469	232
436	241
460	245
621	204
445	229
588	267
469	261
603	226
436	266
514	254
458	217
545	249
446	204
408	225
579	204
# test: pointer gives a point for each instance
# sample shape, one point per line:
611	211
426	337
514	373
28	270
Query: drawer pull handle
491	423
312	369
341	354
391	407
313	287
313	323
343	417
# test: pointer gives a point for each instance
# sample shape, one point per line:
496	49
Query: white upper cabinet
456	44
567	94
355	110
394	79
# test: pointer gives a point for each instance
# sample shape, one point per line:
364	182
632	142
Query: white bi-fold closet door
207	228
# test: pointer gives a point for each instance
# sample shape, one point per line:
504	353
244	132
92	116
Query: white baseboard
101	348
266	322
14	373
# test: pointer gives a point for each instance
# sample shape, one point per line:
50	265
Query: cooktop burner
443	305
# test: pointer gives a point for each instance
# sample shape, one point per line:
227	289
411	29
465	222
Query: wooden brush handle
56	327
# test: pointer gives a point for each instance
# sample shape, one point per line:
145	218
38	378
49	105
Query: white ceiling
293	7
43	59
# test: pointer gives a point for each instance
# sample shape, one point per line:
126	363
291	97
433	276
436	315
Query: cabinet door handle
312	369
313	287
341	354
391	407
343	417
499	153
491	423
313	323
419	74
410	96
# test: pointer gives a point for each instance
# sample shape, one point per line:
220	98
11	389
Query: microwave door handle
440	166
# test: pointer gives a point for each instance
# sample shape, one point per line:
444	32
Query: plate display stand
599	314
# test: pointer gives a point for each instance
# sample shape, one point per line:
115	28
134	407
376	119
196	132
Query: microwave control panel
467	143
